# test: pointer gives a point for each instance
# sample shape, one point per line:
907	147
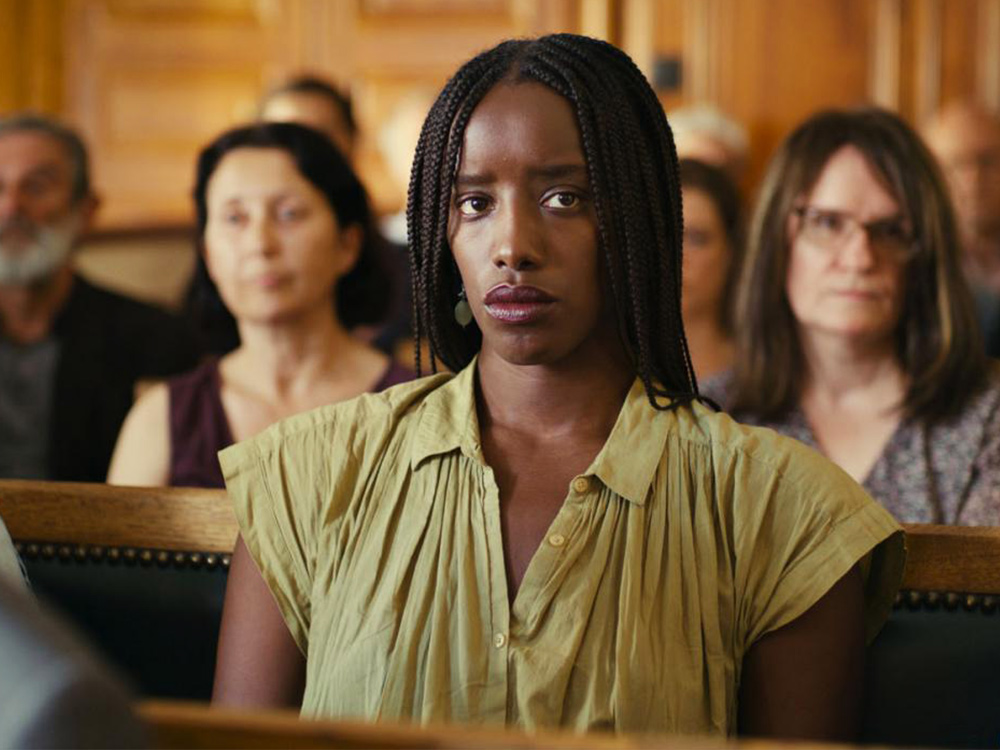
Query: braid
634	179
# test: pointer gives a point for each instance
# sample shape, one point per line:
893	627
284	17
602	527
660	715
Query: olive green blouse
376	524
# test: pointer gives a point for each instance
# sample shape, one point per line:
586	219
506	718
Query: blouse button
500	640
581	485
557	540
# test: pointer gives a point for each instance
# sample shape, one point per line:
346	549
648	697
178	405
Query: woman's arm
142	453
258	662
804	681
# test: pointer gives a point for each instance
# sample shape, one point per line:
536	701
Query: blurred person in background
705	133
966	140
54	692
287	241
712	247
10	564
320	104
857	331
71	353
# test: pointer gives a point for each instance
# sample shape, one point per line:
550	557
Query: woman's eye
233	217
473	205
562	200
829	222
290	214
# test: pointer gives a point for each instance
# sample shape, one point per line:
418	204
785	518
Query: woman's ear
349	250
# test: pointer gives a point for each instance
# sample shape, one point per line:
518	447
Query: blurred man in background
966	140
70	352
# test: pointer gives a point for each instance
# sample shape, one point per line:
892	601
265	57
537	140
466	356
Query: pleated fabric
376	524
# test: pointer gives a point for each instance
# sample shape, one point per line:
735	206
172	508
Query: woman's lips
517	304
269	280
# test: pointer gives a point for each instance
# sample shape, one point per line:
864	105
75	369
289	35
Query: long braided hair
634	180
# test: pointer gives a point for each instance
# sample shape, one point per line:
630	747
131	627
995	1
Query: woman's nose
858	251
260	237
518	244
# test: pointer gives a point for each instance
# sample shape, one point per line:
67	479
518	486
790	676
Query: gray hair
705	118
69	138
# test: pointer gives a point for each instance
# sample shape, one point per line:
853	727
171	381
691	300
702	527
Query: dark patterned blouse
947	472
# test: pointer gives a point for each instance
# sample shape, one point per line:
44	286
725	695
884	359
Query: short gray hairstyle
28	122
707	119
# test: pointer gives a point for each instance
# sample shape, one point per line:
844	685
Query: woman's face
845	279
272	242
522	229
707	256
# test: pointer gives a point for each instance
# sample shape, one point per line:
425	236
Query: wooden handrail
194	725
952	558
939	558
167	518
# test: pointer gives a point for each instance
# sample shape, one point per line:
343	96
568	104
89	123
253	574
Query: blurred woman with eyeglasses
857	334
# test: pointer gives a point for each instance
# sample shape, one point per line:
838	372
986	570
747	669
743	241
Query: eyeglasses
831	231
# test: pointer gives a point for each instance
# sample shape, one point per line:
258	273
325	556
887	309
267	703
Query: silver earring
463	313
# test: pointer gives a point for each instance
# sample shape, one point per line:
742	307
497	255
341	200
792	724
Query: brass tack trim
949	600
115	555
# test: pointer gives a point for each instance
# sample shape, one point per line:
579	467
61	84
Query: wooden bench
141	571
933	673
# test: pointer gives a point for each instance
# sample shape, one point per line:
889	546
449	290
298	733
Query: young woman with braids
559	534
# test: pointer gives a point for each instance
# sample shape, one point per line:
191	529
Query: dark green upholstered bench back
140	571
933	673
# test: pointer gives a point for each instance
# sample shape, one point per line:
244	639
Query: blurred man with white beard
70	352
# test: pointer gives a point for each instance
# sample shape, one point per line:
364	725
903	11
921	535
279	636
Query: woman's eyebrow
556	171
466	181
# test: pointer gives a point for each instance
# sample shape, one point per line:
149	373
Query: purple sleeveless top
199	428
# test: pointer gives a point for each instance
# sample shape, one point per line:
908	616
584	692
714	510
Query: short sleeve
801	526
283	493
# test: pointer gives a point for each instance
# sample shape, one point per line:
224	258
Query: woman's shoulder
394	374
717	387
356	421
986	400
752	460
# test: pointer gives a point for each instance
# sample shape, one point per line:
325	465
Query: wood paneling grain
167	518
952	558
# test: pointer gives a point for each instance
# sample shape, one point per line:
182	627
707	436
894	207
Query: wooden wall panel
768	63
151	81
31	55
771	63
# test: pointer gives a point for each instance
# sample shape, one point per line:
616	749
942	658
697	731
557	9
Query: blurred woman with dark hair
857	332
712	247
287	241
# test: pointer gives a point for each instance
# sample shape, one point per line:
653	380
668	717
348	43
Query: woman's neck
577	398
841	370
285	360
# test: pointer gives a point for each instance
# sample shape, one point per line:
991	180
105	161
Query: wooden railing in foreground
199	727
952	558
101	516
